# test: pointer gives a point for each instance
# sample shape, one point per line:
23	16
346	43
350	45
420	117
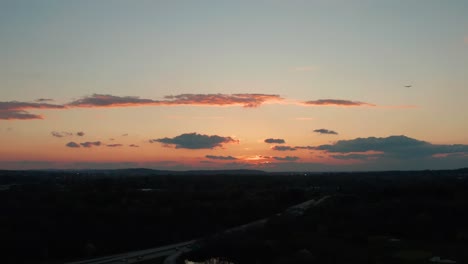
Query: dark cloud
357	156
61	134
195	141
114	145
394	146
305	147
283	148
18	115
16	110
325	131
124	135
220	157
72	145
133	146
80	134
287	158
274	140
88	144
107	100
15	105
336	102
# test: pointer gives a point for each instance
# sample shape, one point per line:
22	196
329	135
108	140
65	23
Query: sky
318	85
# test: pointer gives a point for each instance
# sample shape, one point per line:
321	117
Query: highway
138	256
175	250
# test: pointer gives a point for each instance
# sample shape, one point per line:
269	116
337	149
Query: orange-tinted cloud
336	102
106	100
16	110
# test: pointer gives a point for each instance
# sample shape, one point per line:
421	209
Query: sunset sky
272	85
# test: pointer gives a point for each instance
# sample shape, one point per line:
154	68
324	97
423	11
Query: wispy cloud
220	157
18	115
114	145
274	140
107	100
60	134
42	100
465	40
16	110
133	146
325	131
66	134
283	148
336	102
195	141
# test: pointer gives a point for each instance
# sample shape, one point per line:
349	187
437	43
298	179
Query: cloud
72	145
65	134
114	145
283	148
18	115
107	100
244	99
274	140
336	102
15	105
14	110
125	135
325	131
287	158
195	141
133	146
88	144
305	147
393	146
42	100
465	40
220	157
60	134
357	156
